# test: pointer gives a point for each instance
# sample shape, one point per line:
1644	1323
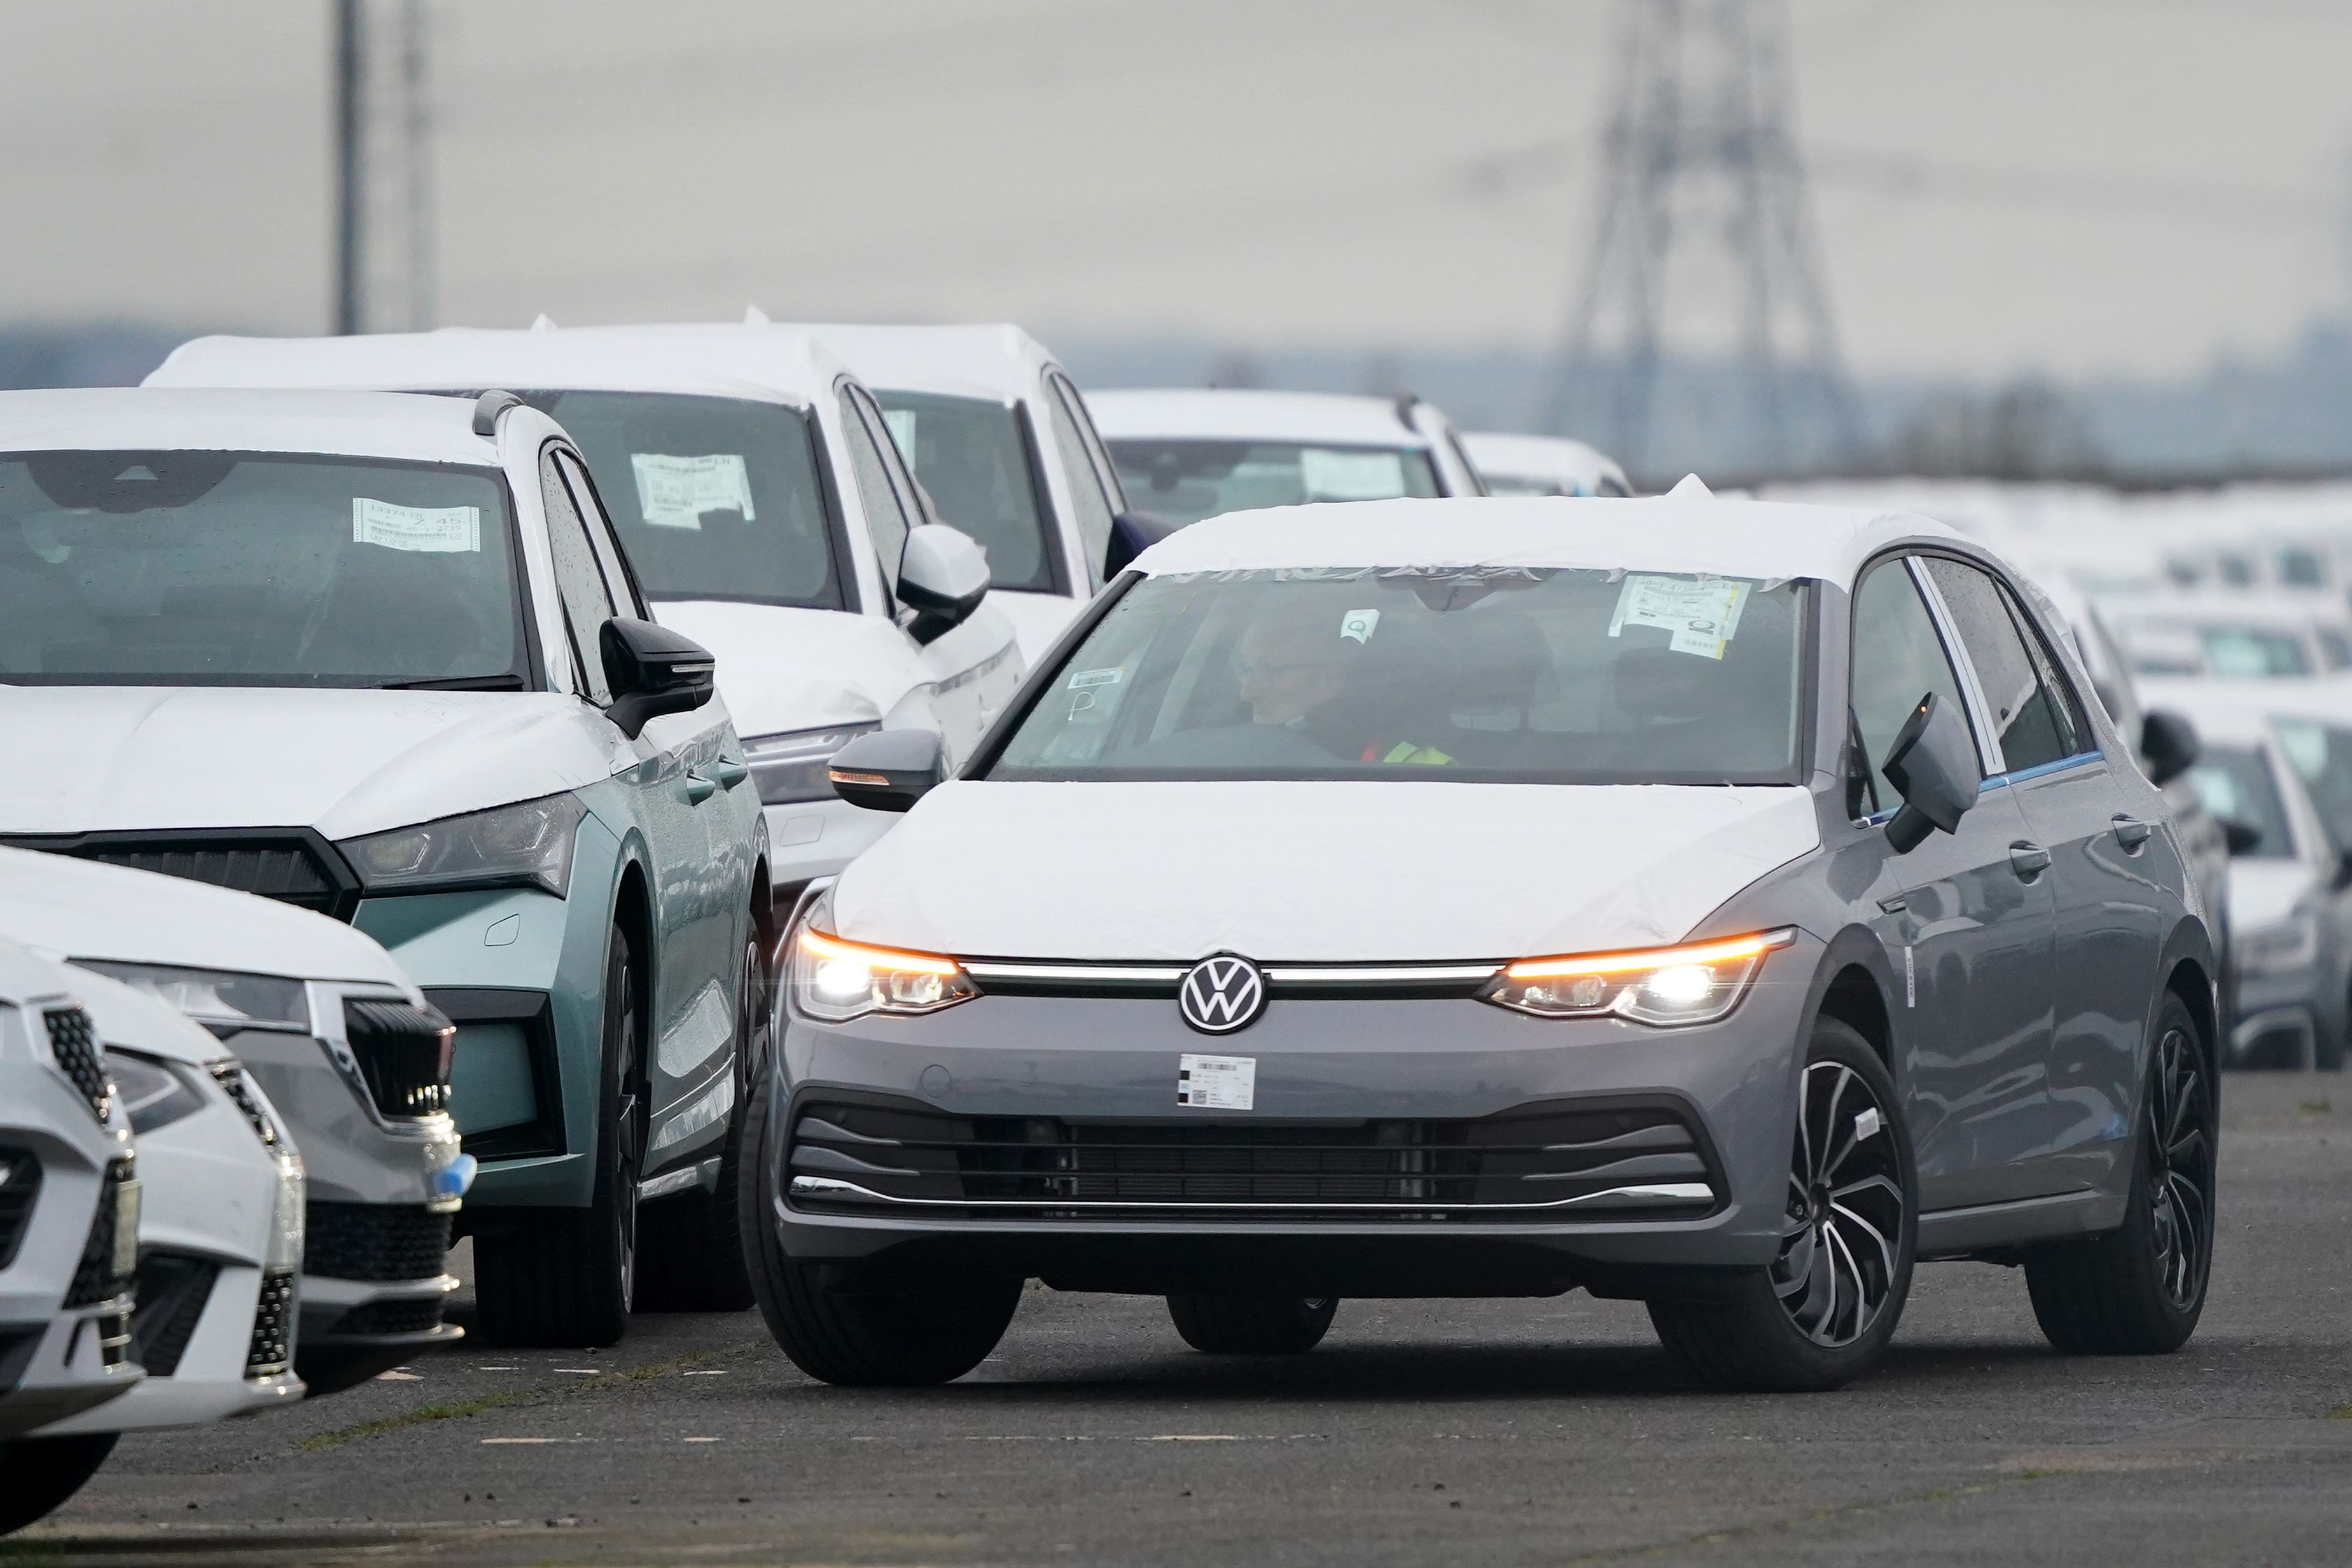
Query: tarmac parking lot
1487	1432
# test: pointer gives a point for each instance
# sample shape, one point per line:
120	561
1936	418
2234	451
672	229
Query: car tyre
2139	1290
1252	1325
43	1473
861	1338
691	1258
1822	1312
565	1278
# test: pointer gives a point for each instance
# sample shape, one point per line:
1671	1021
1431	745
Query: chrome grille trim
1663	1193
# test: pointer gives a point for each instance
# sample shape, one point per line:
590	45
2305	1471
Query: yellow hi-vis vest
1406	751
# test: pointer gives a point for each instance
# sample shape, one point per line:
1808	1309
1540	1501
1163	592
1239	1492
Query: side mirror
1933	766
2168	745
890	769
942	578
1132	533
2244	838
652	671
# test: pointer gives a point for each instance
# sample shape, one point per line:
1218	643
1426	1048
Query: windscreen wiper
506	683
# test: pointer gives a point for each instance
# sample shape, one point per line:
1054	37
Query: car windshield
1484	674
714	498
2253	650
2235	785
973	457
1186	480
126	568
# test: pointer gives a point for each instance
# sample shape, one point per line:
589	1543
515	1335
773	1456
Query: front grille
391	1318
291	867
404	1053
95	1277
1559	1160
247	1096
271	1349
374	1240
20	1185
172	1290
74	1044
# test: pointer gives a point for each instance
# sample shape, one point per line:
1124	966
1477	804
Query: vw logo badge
1222	994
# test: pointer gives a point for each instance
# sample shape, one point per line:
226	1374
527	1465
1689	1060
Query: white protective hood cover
68	908
1313	871
344	762
783	669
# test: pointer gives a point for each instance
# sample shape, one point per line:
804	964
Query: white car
1186	454
2260	636
269	984
1003	443
766	512
220	1223
1515	464
69	1198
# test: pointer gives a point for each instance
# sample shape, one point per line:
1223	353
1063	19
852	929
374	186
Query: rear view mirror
652	671
2244	838
2168	745
942	578
1132	533
1933	766
890	769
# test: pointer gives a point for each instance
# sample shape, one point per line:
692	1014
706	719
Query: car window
2321	754
1186	480
579	580
885	520
973	456
1067	391
620	584
2335	647
1899	658
2301	568
1464	674
2253	650
1092	506
2032	722
2235	784
253	569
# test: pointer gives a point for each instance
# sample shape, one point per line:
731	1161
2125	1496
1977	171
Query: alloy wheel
629	1124
2178	1165
1836	1268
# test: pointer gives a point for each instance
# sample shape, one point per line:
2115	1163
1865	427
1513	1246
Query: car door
1971	930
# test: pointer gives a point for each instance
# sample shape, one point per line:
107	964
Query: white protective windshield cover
1313	871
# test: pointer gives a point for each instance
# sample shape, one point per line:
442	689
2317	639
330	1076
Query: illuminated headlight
790	769
835	980
222	1001
2291	944
1698	983
527	844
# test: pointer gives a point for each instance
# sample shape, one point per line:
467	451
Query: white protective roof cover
1688	530
357	425
1217	414
992	360
752	361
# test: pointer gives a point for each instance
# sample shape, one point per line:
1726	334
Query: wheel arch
1855	983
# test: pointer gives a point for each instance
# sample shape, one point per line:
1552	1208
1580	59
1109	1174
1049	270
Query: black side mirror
2168	745
890	769
1933	766
2244	838
652	671
1132	533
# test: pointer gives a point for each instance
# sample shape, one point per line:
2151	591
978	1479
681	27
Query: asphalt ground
1421	1432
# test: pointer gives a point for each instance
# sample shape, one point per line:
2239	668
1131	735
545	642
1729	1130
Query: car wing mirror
2168	745
1933	766
653	671
1132	533
2244	838
942	578
890	769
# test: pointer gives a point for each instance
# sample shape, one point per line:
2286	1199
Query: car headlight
2277	949
1696	983
284	1248
222	1001
836	981
154	1093
790	769
527	844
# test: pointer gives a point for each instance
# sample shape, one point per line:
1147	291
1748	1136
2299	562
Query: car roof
992	360
757	361
355	425
1548	456
1178	413
1688	530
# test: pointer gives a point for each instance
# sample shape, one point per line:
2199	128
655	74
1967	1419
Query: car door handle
2131	832
2028	860
698	788
729	774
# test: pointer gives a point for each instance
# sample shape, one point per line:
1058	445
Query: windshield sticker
447	529
1702	614
674	492
1357	626
1333	475
1216	1082
1109	677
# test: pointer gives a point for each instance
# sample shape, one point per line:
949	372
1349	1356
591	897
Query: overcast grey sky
2066	185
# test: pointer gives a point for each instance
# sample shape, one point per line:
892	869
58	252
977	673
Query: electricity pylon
384	232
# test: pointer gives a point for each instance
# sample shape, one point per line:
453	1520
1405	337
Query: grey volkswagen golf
1715	903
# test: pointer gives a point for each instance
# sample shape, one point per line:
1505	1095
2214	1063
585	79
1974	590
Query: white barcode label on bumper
1216	1082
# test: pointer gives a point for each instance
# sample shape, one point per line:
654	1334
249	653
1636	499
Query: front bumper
1113	1061
2279	1018
206	1376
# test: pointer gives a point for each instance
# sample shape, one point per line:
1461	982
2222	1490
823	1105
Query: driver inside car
1302	670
